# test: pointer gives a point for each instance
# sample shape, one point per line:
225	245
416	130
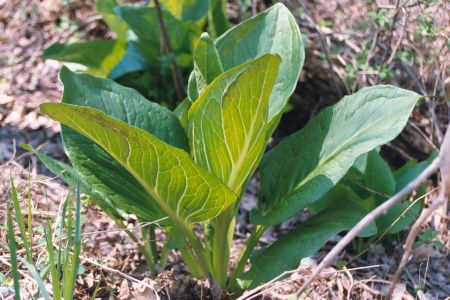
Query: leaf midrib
325	161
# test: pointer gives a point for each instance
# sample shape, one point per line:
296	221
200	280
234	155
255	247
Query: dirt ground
110	260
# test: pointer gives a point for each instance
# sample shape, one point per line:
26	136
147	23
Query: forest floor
109	258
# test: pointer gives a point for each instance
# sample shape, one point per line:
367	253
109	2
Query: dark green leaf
286	253
107	177
307	164
187	10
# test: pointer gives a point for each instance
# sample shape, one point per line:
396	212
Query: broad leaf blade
303	241
116	24
132	61
184	191
99	56
228	123
105	176
379	179
403	214
273	31
187	10
302	168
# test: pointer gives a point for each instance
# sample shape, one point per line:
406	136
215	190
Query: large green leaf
187	10
227	123
273	31
184	191
99	57
107	177
307	164
106	9
303	241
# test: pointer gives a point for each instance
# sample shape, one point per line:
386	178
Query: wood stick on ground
368	219
437	202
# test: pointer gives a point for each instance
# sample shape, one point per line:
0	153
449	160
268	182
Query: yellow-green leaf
227	123
186	192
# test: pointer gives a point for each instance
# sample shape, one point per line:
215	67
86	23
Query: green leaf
12	247
403	214
379	179
228	122
187	10
273	31
303	241
217	17
207	64
40	282
99	57
143	22
106	9
132	61
20	221
105	176
184	191
307	164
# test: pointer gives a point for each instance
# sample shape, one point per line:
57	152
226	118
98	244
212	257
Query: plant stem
222	238
146	249
245	254
198	250
175	70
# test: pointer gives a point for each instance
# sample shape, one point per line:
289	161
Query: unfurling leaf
228	122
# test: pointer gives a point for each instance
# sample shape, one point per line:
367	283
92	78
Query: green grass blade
62	222
43	291
51	257
30	215
70	283
20	221
12	252
66	253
